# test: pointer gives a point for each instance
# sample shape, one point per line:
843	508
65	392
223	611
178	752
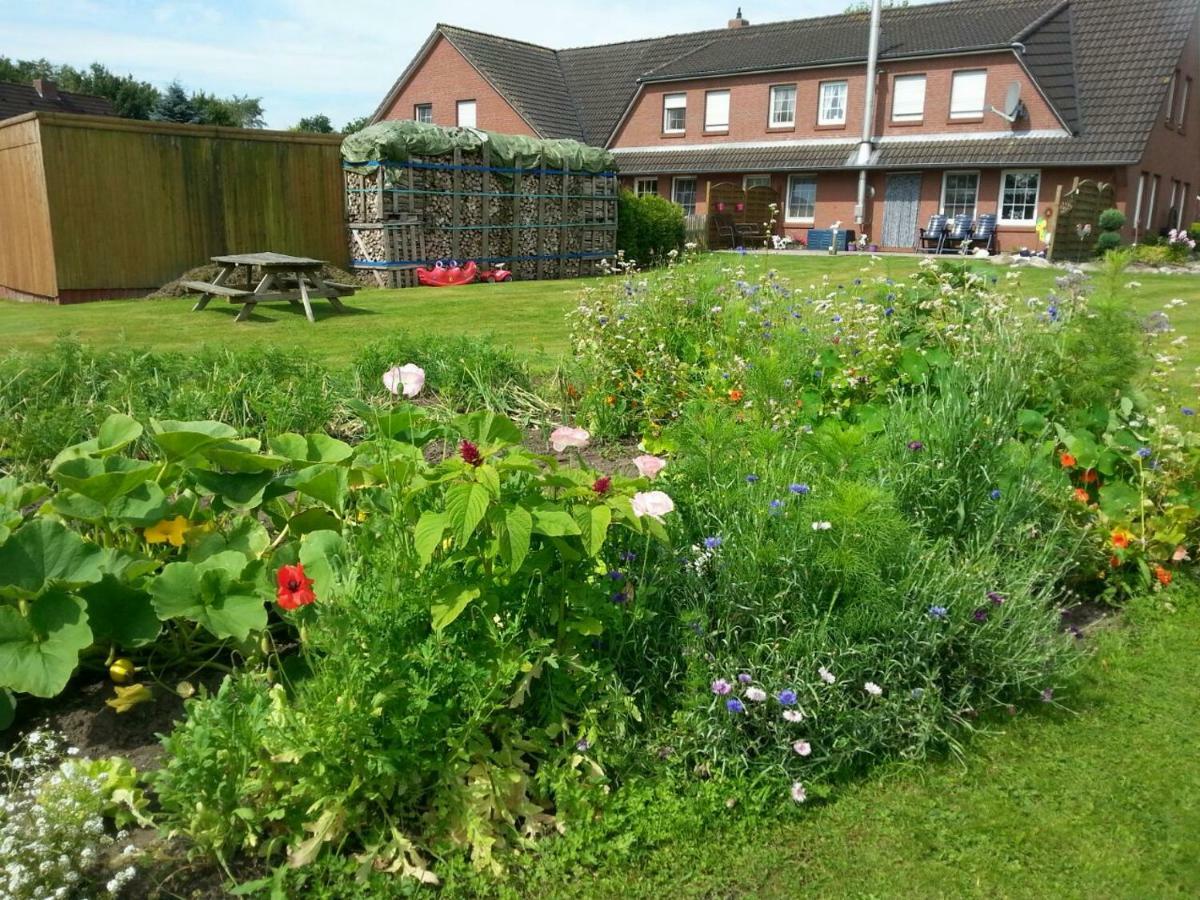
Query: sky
304	57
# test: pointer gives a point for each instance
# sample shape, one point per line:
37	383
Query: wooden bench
204	287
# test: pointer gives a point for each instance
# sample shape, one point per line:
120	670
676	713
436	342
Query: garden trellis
418	193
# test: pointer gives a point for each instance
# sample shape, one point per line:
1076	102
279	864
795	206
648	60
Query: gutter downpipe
867	146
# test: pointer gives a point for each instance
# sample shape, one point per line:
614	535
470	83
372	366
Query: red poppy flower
1067	460
602	485
735	395
294	587
470	453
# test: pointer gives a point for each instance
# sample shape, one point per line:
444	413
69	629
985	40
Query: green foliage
357	124
649	228
1151	254
131	98
233	112
1107	242
318	124
1112	220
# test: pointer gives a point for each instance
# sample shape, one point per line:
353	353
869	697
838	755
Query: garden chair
984	235
959	233
931	238
750	233
726	229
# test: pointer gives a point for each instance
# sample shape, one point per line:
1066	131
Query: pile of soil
208	272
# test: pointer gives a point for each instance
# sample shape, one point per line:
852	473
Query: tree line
133	98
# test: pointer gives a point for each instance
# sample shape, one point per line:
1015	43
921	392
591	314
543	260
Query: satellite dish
1014	109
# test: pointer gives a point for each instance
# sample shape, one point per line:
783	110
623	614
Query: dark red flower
294	587
470	453
602	485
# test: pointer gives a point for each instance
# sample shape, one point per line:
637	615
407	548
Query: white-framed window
783	106
753	181
1153	204
1137	207
1019	196
645	186
716	111
1173	211
423	112
674	113
801	199
683	192
908	98
466	114
832	106
968	94
960	194
1184	95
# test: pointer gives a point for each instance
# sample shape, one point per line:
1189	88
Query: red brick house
1108	91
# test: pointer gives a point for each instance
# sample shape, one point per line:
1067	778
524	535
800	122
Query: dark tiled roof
735	159
1103	65
18	99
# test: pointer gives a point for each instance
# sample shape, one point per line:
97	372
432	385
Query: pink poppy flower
655	504
649	466
565	436
407	379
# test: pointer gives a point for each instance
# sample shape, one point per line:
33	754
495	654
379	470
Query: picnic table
295	279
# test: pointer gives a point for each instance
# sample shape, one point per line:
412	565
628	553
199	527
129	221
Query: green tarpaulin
401	141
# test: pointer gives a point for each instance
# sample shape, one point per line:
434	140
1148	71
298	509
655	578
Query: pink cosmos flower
655	504
756	694
802	748
793	715
565	436
1180	555
408	379
799	794
649	466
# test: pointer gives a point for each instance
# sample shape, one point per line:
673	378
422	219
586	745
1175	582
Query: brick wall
442	79
750	103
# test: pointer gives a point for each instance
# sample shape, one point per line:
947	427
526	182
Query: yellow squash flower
129	697
168	531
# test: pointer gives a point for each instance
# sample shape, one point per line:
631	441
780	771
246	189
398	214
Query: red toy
442	276
496	275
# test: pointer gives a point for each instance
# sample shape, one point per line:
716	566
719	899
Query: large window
675	113
908	98
968	94
683	192
1152	205
1019	196
801	198
1185	94
423	112
832	109
1171	89
783	106
753	181
466	113
716	111
645	186
960	194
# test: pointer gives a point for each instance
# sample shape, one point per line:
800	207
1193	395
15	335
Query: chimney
738	22
46	89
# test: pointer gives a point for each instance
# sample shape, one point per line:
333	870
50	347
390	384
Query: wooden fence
95	207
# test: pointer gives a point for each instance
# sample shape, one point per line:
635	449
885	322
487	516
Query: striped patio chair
959	232
984	234
931	238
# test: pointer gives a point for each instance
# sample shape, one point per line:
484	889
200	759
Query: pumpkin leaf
39	652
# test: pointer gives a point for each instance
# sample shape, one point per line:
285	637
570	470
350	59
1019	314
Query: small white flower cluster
53	842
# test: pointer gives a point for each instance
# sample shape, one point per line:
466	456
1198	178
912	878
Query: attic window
908	98
1184	96
968	94
716	111
832	110
466	114
674	113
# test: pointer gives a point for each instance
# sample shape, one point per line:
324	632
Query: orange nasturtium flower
168	531
1163	576
1081	495
735	395
1067	460
1121	538
1090	477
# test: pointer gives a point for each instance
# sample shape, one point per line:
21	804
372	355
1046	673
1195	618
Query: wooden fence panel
26	241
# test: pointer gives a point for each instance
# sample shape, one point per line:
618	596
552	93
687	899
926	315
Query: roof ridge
491	34
702	46
1049	15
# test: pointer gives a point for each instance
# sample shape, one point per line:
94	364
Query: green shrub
1152	254
649	228
1112	220
1107	242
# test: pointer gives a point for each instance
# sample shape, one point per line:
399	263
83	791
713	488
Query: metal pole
866	146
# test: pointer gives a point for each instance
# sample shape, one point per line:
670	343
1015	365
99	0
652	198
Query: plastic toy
442	275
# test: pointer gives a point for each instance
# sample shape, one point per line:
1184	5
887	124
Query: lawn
528	315
1098	798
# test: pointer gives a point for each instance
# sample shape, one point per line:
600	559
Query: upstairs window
1184	95
968	94
423	112
466	114
645	186
716	111
1019	196
783	106
674	113
908	98
1171	89
832	109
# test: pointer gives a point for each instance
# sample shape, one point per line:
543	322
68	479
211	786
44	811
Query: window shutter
968	95
908	101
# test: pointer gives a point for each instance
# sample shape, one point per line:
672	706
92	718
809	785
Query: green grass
527	315
1101	801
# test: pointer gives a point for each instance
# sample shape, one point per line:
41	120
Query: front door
901	200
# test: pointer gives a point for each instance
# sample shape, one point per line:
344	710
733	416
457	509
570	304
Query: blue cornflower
745	678
837	320
735	705
890	311
583	745
751	479
628	556
616	575
937	612
787	698
619	598
800	489
1145	452
776	505
1187	411
712	543
995	495
819	374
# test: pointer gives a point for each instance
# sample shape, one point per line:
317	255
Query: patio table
295	279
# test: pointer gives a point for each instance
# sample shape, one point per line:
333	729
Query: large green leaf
325	483
450	604
430	530
145	505
488	429
43	553
466	505
593	525
239	457
219	592
248	537
518	530
38	653
313	448
242	490
179	440
1119	500
554	522
103	480
323	555
116	433
404	422
120	613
